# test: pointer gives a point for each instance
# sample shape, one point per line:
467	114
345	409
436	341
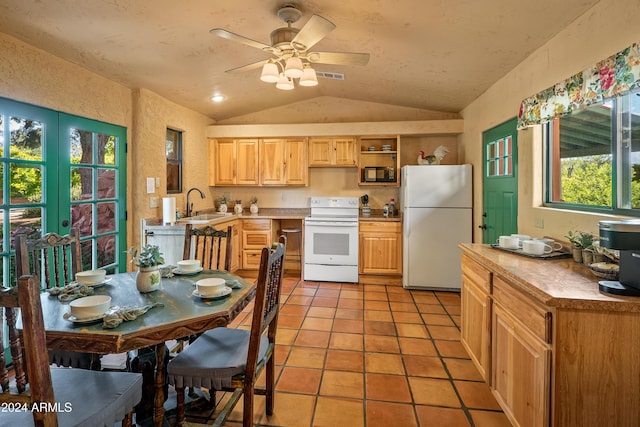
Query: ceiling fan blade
313	31
338	58
220	32
248	67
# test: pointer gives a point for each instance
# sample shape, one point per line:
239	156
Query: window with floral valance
615	75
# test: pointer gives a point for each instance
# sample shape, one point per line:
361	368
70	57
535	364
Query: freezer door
448	186
431	257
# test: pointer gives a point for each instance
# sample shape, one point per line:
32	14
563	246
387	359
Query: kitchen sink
204	218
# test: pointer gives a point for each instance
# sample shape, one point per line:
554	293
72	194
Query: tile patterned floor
370	355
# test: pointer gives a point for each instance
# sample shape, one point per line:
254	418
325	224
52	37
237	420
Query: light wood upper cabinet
283	162
296	164
233	162
332	152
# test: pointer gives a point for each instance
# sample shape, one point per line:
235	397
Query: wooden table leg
158	409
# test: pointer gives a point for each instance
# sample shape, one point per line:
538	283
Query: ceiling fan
290	48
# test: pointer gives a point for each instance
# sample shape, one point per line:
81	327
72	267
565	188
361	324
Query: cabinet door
247	162
321	152
345	151
236	249
224	162
476	325
295	162
380	248
520	371
271	161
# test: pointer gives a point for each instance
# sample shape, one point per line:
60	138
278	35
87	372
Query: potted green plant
148	261
581	244
254	205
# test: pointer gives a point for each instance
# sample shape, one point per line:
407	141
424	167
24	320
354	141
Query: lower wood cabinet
476	314
256	234
380	249
521	370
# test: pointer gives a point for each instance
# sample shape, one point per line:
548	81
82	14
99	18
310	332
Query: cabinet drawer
477	273
256	224
255	239
534	316
380	226
251	259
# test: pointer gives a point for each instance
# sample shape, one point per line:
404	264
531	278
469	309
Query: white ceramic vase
253	208
238	208
222	208
148	279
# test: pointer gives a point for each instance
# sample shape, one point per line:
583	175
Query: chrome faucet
190	205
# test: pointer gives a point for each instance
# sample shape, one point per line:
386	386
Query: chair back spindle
55	259
208	245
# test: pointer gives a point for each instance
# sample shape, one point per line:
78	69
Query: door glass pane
81	183
107	149
106	217
82	218
26	139
25	183
1	136
634	147
106	183
106	250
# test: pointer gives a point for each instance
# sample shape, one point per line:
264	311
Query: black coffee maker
623	235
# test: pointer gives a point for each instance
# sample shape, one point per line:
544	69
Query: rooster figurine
433	159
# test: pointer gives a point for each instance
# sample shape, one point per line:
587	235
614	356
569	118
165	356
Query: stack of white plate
386	148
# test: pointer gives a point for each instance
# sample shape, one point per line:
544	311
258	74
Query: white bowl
211	286
88	307
189	264
90	277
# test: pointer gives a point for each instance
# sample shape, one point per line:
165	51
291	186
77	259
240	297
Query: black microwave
378	174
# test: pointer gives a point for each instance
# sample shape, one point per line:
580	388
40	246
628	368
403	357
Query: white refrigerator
436	203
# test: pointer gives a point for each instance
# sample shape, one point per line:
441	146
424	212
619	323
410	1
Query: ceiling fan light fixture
284	83
269	73
308	77
293	69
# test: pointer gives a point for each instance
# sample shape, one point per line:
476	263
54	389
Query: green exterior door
500	181
92	199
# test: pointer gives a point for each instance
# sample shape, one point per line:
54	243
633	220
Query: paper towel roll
168	210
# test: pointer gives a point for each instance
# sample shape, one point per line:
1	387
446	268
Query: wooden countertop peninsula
554	350
560	283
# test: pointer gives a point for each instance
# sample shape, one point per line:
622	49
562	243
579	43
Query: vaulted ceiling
427	54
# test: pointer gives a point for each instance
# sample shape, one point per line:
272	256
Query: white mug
536	247
556	246
521	238
508	242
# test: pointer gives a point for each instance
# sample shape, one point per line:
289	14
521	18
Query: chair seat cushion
87	398
213	359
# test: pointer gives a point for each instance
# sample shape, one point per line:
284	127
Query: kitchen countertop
377	215
554	282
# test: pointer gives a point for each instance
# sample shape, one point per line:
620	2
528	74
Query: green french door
59	171
500	181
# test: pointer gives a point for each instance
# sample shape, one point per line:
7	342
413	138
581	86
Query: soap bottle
392	207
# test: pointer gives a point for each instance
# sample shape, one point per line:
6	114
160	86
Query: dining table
176	312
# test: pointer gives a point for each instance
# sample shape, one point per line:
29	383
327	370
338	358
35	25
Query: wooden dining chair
207	243
55	260
228	359
54	396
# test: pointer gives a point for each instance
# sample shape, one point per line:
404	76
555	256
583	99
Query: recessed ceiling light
217	98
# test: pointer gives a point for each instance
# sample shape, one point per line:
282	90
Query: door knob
65	223
483	226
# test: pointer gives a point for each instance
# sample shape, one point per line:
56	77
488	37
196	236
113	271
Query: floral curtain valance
613	76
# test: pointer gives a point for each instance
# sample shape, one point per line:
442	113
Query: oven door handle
331	224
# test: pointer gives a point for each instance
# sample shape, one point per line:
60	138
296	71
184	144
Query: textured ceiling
429	54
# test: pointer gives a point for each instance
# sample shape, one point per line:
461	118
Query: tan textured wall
608	27
326	109
153	114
